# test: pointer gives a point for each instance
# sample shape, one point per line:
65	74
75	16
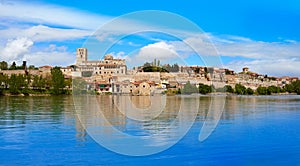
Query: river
59	130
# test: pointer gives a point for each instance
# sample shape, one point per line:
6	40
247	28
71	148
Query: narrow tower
81	56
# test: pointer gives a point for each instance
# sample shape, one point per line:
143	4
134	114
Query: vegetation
262	91
204	89
28	84
229	89
14	66
240	89
154	69
3	65
56	84
294	87
58	81
189	89
249	91
155	66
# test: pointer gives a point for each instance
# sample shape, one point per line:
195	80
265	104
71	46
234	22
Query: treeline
54	83
239	89
155	66
14	66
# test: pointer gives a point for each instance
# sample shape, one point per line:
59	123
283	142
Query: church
105	68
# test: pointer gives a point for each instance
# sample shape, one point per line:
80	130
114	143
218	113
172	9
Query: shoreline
193	94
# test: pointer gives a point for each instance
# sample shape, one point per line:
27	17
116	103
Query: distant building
107	67
81	56
245	69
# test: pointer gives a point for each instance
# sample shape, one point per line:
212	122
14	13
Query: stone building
105	68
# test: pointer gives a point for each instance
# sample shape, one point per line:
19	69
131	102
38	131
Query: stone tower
81	56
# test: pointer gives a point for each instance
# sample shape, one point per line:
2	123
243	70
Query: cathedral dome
108	57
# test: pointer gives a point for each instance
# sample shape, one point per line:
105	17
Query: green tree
293	87
273	89
240	89
204	89
154	69
249	91
35	82
14	84
229	89
38	83
58	80
13	66
26	84
48	81
189	88
262	90
3	65
32	67
3	82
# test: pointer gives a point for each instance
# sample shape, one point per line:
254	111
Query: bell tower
81	56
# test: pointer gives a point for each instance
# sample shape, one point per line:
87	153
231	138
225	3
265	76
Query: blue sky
263	35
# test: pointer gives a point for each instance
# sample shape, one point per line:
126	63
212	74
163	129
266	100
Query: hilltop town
111	75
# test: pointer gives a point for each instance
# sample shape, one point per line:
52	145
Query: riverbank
8	94
168	94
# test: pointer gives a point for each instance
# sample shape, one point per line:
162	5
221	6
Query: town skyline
111	75
259	35
33	66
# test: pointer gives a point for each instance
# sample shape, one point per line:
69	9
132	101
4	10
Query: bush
204	89
273	89
249	91
189	88
240	89
262	91
229	89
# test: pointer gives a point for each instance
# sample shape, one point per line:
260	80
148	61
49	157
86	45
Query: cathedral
106	67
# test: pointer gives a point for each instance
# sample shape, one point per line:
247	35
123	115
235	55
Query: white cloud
271	67
52	58
20	49
121	55
15	49
234	46
44	33
53	55
160	50
273	58
50	14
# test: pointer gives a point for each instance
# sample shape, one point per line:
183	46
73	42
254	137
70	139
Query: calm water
256	130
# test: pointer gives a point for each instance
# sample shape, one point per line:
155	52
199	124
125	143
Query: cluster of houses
111	75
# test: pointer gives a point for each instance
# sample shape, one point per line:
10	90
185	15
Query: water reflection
24	109
252	129
239	106
16	112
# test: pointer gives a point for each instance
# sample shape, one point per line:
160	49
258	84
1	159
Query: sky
262	35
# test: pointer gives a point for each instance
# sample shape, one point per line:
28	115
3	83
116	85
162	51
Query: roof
108	57
45	66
